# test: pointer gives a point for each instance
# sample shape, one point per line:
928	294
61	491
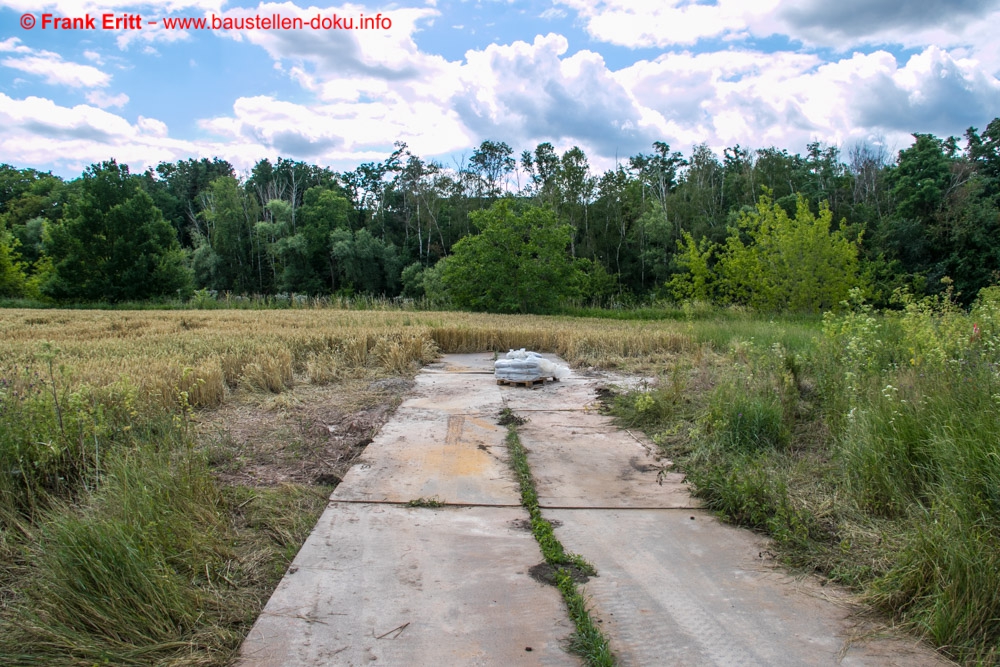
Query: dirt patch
546	574
391	385
638	466
606	396
525	524
307	435
508	418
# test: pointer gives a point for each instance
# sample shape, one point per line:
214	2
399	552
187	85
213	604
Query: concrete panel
389	585
676	587
573	393
455	393
581	459
453	458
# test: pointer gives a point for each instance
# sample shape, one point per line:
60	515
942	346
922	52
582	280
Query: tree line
765	228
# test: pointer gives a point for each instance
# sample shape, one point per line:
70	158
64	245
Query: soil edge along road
424	556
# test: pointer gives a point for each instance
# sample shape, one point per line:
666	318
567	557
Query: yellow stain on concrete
464	451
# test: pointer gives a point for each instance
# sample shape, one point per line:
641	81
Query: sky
609	76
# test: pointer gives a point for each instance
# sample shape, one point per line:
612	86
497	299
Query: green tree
229	254
969	226
412	278
697	201
517	263
616	211
488	168
364	263
697	279
984	151
114	244
309	266
790	264
921	178
178	190
12	275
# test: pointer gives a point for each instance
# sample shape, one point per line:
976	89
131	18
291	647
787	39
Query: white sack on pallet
517	370
522	354
523	366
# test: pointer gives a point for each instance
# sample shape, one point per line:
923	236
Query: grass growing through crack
433	501
587	640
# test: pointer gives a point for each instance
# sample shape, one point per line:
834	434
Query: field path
382	582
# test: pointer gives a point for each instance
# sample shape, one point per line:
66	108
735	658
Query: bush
518	263
795	264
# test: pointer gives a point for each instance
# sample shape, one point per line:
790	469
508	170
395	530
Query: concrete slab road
448	583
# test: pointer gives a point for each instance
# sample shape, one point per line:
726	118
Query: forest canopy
773	230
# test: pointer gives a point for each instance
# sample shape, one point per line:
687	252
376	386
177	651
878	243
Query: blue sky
610	76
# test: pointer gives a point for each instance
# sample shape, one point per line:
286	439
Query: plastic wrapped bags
526	366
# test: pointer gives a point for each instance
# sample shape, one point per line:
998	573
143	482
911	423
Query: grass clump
746	422
122	576
508	417
587	640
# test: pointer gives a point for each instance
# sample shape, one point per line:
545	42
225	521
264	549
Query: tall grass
115	524
111	578
117	546
870	451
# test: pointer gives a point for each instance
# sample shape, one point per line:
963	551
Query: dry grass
200	356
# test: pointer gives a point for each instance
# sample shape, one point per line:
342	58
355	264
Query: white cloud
666	23
853	21
101	99
529	93
335	131
843	25
152	126
56	71
38	131
789	99
371	87
13	45
387	54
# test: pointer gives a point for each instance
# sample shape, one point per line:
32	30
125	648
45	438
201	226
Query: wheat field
202	355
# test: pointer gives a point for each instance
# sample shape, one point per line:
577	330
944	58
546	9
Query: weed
433	501
587	640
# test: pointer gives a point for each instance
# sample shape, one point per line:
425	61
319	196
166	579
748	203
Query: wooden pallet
525	383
